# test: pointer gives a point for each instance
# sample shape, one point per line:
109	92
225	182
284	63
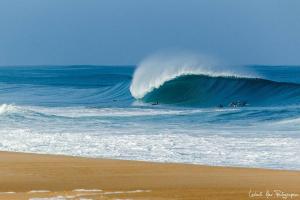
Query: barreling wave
189	80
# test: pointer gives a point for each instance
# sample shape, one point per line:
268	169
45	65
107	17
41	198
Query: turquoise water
246	117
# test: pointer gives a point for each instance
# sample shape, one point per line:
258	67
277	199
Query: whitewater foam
7	192
7	108
87	190
38	191
248	147
81	112
155	70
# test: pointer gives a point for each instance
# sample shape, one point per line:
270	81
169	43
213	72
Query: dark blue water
99	111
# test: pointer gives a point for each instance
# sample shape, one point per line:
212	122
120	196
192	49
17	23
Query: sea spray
157	69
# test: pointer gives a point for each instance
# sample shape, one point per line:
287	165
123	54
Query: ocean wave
156	70
7	108
200	90
192	81
292	121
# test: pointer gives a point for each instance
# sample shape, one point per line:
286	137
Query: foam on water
49	198
257	145
6	108
8	192
293	121
126	192
87	190
38	191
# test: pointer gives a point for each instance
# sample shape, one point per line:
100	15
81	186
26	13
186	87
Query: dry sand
39	177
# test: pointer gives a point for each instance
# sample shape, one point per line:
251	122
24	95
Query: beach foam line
126	192
8	192
85	199
49	198
38	191
122	199
87	190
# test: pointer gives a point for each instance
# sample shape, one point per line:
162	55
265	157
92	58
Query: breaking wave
197	81
6	108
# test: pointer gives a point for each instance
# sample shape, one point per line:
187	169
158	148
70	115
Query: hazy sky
125	31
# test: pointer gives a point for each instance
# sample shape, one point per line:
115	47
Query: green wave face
206	91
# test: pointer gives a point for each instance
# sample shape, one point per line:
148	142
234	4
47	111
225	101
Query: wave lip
156	70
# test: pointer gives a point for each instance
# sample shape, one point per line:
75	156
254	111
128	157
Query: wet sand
39	177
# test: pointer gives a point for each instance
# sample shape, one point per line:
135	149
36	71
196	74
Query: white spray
155	70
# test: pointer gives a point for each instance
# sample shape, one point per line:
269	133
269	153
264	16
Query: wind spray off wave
188	79
155	70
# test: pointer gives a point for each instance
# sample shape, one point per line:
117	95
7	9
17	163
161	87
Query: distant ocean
226	116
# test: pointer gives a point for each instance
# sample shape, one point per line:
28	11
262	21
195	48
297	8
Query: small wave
83	112
7	108
295	121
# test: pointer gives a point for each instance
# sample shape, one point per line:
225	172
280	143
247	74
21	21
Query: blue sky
34	32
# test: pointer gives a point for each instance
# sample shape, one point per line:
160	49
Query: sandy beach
36	177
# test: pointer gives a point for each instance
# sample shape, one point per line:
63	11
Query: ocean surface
227	116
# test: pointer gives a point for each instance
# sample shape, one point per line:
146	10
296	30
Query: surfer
232	104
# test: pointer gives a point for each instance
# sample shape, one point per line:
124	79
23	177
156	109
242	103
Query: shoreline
43	176
147	161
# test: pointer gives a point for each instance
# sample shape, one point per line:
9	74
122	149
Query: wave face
206	91
188	81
